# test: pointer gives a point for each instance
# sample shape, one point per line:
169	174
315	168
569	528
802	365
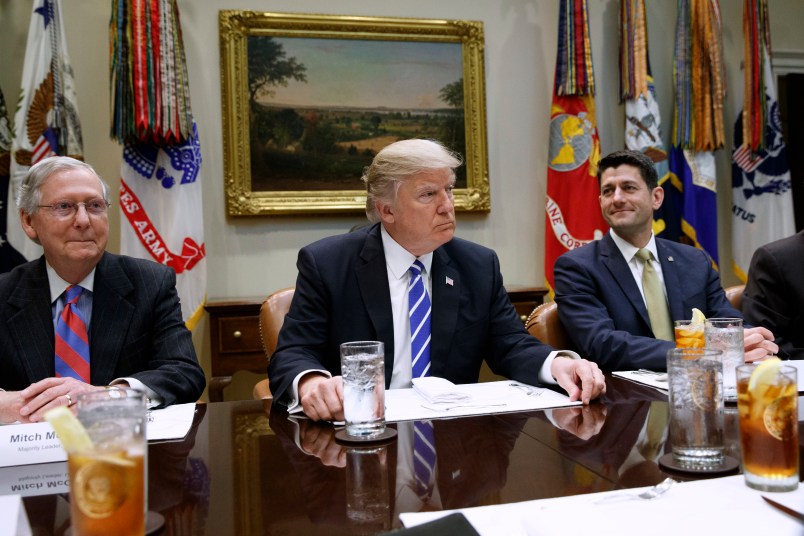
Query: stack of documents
436	398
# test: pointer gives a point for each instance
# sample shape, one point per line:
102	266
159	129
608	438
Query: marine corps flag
572	207
46	122
160	185
762	199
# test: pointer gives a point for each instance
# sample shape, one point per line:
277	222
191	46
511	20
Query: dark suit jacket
774	294
601	307
342	294
136	329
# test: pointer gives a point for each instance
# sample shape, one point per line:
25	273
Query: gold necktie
654	298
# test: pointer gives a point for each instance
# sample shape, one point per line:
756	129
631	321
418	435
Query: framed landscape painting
308	100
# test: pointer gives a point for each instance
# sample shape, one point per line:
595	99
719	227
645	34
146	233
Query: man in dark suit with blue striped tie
396	280
78	318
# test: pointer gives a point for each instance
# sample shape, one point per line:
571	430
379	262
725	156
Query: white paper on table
651	380
714	506
13	519
483	399
172	422
34	443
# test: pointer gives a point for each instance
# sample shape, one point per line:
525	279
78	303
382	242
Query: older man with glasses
80	319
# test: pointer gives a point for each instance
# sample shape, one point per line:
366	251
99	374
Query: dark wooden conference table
240	471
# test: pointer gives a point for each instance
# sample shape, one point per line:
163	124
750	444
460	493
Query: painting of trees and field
320	109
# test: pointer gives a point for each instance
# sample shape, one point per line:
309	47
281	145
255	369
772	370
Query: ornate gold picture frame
309	99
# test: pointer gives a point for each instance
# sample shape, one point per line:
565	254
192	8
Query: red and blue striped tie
72	341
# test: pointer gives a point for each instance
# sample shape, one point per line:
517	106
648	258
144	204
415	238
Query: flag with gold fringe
9	257
160	185
572	208
762	199
643	131
698	129
46	120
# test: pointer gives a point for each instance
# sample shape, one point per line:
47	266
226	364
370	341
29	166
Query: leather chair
735	296
544	324
272	316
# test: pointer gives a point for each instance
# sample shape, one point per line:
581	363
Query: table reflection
246	468
471	465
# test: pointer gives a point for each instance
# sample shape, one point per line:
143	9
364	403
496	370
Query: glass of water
695	379
726	334
363	371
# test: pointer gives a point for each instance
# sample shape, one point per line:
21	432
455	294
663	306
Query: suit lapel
32	323
112	312
621	272
672	282
372	278
446	290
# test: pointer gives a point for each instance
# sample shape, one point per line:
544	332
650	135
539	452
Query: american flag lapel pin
449	281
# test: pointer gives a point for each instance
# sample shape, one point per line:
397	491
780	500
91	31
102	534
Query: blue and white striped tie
419	311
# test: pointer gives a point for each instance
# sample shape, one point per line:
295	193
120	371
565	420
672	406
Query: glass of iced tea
107	481
767	402
689	334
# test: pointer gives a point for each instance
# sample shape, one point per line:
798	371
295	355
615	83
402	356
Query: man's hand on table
50	393
758	344
321	397
582	379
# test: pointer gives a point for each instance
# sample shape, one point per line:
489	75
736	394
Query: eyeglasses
68	209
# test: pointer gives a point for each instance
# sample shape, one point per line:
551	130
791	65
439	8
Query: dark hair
637	159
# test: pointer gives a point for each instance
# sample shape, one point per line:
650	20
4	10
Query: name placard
34	443
25	444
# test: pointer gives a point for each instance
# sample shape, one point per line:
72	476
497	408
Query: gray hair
398	161
29	193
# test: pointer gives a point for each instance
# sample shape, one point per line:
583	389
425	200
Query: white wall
254	256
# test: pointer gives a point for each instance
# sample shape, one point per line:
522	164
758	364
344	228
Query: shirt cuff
545	376
294	404
153	399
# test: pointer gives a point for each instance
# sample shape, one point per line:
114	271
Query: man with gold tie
437	302
618	296
79	318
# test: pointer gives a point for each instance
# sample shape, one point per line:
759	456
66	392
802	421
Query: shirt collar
629	250
398	259
59	285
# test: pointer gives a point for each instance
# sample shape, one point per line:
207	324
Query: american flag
746	159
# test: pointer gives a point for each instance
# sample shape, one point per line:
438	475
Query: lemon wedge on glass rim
764	375
72	434
697	316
